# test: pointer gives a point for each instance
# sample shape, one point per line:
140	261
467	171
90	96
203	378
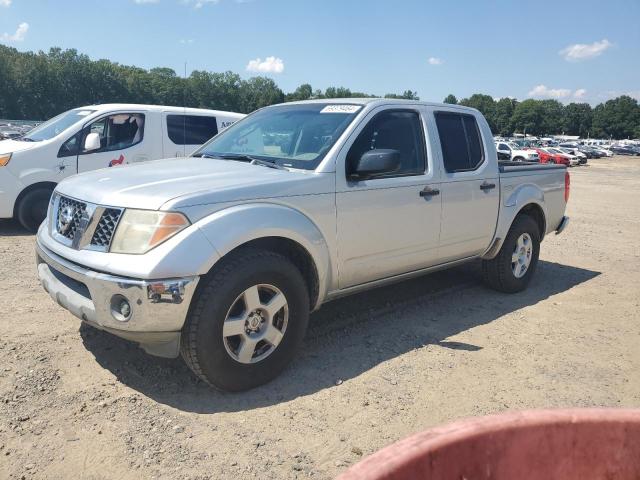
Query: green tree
618	118
485	104
303	92
451	98
528	116
406	95
552	117
577	119
503	114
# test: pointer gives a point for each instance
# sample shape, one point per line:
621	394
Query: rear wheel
248	320
518	159
32	208
512	269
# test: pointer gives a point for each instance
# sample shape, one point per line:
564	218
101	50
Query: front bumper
158	308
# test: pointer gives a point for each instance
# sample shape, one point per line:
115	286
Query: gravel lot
79	403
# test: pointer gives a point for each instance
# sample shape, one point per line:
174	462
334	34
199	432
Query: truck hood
183	182
12	146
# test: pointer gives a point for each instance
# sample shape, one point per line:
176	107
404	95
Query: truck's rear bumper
157	309
563	224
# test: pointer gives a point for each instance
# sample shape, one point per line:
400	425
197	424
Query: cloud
585	51
544	92
19	36
143	2
435	61
5	3
186	41
580	93
200	3
270	65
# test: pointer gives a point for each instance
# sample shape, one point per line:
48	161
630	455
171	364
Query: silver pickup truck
221	256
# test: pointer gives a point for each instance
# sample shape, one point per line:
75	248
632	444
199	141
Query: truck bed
507	166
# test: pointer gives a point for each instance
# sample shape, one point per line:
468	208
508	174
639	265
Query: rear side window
460	140
191	129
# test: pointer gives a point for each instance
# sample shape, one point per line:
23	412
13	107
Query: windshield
56	125
297	136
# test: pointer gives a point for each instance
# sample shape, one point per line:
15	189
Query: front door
122	142
388	225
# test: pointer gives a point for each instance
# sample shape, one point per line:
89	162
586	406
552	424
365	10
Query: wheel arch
29	189
287	231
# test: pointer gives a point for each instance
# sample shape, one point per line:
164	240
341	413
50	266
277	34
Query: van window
460	140
191	129
117	132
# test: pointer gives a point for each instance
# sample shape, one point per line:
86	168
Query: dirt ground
79	403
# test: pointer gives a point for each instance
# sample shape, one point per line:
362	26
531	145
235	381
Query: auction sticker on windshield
341	109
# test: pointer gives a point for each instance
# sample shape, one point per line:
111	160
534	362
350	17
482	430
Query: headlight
141	230
4	159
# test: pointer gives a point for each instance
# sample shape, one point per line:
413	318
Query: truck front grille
69	213
83	225
106	227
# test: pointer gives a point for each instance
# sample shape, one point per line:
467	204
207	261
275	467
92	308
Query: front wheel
514	265
32	208
247	321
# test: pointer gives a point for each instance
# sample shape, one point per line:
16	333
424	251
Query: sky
587	51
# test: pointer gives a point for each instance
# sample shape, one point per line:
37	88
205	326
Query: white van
93	137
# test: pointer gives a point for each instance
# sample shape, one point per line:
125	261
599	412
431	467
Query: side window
460	140
118	131
397	130
71	147
191	129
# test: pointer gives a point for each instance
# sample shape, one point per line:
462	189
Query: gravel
375	367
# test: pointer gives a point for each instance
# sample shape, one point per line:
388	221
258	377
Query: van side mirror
375	163
92	142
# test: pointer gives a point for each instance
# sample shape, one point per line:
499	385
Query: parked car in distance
512	151
624	150
573	160
282	212
548	157
93	137
582	156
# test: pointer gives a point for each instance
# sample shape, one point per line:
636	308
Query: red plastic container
580	444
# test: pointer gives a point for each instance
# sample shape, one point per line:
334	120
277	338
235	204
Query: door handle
429	192
487	186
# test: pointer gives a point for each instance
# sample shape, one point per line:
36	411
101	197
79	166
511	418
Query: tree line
39	85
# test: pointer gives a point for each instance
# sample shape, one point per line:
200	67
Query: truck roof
381	101
154	108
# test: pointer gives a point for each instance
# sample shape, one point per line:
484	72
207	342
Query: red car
549	157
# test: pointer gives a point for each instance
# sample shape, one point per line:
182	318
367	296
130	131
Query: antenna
184	111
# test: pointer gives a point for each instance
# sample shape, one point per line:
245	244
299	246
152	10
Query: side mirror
92	142
374	163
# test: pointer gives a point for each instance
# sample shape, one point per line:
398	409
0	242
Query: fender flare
522	197
235	226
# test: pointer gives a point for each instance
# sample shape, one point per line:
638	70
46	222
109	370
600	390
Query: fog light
120	308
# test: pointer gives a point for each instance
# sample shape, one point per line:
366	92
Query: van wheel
247	320
32	208
518	159
511	270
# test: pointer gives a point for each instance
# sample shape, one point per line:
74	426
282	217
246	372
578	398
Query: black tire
518	159
202	344
32	208
498	273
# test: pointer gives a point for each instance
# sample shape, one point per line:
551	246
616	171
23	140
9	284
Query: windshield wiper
252	160
203	155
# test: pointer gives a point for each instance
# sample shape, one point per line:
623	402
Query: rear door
184	133
470	185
